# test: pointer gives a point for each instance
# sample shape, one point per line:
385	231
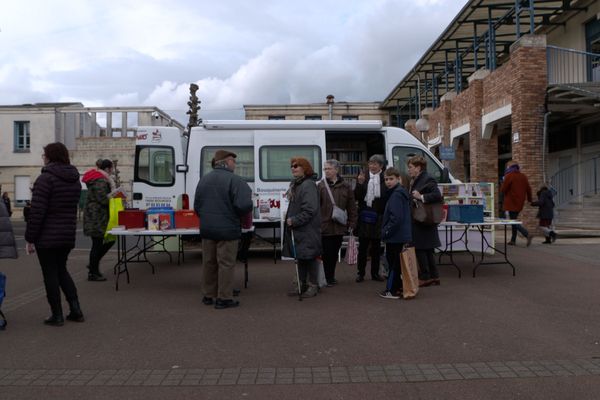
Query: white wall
572	36
42	132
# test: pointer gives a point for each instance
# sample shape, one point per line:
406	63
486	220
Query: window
401	155
22	191
275	161
244	162
155	165
349	117
313	117
21	129
276	117
590	134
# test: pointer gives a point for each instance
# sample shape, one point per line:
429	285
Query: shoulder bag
426	213
338	215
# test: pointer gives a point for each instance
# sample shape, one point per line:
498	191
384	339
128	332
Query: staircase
579	217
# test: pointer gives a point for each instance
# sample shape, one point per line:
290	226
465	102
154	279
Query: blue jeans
515	228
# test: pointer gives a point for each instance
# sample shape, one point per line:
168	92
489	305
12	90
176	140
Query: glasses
294	166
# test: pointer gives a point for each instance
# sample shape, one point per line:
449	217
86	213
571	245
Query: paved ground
533	336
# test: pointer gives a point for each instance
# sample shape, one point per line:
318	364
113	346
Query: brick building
507	80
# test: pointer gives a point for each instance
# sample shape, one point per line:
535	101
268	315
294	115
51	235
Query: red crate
132	219
186	219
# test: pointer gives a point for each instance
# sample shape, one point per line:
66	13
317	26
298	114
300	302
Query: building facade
319	111
88	133
527	91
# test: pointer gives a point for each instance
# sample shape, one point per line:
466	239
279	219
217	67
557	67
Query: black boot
75	315
56	319
96	277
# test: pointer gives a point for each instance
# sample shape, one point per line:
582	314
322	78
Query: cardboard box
132	218
186	219
465	213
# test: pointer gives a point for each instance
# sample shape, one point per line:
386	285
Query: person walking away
303	221
7	204
545	214
100	189
425	237
332	231
221	199
396	229
8	249
371	194
516	190
50	230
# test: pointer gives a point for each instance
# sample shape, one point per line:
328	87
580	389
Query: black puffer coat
305	213
55	197
8	247
545	203
425	236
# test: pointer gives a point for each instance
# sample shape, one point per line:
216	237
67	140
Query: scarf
373	188
512	168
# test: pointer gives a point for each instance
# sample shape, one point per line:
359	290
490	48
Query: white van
168	165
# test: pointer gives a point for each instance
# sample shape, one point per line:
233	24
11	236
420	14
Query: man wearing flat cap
222	198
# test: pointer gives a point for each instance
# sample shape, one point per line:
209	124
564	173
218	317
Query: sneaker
386	294
207	301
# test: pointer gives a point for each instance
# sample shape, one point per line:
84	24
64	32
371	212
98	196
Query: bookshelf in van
352	157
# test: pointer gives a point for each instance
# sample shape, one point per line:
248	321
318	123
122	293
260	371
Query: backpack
2	294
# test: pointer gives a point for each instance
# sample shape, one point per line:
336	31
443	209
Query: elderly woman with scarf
303	221
371	194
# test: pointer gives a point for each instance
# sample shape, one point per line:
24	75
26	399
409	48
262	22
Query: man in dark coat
222	198
371	194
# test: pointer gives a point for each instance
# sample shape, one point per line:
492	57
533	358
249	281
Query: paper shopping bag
410	273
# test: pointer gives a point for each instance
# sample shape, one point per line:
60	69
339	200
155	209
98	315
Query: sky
131	53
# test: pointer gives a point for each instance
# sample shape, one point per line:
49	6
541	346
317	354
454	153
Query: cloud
115	53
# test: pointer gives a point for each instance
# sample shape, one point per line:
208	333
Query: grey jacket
222	198
8	246
305	214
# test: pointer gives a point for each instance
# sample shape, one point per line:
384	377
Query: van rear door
158	181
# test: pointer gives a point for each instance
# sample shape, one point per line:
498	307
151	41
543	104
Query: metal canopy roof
469	28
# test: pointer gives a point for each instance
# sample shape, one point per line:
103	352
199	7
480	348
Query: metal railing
572	66
576	181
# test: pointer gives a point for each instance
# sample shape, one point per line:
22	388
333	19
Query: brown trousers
218	261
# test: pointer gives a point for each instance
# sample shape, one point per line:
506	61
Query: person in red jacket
516	189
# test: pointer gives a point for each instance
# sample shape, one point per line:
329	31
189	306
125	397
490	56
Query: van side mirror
181	168
445	178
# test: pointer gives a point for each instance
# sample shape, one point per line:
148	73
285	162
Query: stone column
528	56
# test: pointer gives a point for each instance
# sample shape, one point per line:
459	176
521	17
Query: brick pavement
546	331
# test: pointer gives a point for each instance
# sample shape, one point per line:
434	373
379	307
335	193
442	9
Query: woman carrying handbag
338	214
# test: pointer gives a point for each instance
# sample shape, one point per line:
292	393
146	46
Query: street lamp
422	125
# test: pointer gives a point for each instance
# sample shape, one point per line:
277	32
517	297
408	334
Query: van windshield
401	155
244	162
275	161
